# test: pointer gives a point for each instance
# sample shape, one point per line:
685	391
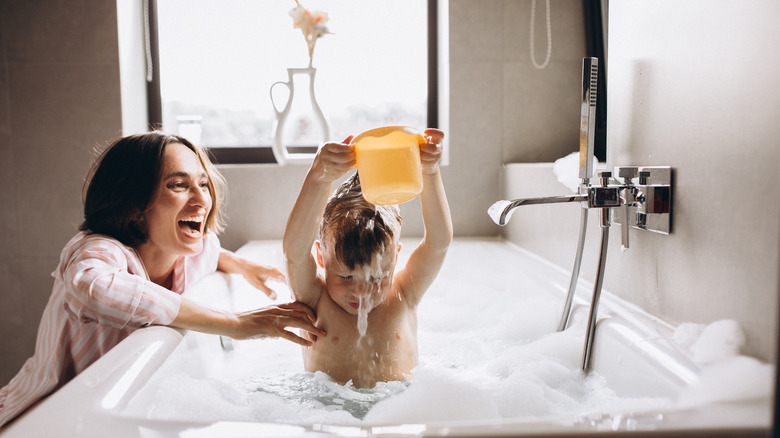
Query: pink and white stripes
101	294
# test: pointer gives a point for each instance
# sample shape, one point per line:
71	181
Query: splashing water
365	304
372	277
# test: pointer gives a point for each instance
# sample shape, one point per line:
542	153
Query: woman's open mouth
192	226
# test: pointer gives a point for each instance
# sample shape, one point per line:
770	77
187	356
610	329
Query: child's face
365	285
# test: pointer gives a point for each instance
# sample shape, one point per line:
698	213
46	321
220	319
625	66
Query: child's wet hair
355	228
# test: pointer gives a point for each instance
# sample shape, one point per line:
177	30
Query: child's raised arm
331	162
426	260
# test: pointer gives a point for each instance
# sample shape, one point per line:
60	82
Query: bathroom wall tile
541	107
567	26
8	241
517	33
80	102
27	287
476	124
260	200
57	121
722	257
541	111
475	98
4	85
11	319
476	30
61	31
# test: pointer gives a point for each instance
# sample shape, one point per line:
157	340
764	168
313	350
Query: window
218	61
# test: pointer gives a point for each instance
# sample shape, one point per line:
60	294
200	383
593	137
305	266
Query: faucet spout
501	211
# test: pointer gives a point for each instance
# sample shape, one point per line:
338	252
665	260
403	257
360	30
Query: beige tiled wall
59	97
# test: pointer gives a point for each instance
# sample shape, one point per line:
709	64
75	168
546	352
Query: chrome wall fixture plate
647	196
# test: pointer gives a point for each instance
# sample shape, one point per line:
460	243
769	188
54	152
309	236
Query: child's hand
333	160
430	152
258	275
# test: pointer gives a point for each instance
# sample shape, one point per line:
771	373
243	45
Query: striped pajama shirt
101	294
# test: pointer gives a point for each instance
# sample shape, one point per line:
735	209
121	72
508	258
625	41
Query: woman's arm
269	321
98	287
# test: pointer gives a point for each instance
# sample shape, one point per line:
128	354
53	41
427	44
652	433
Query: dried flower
311	24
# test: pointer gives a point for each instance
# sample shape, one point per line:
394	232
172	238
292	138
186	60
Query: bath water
488	351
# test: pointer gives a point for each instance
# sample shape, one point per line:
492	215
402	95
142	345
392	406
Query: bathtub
647	381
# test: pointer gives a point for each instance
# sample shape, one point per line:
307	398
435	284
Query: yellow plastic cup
388	162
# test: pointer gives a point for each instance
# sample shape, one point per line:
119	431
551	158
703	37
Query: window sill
250	154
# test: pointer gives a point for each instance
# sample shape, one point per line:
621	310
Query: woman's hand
333	160
273	321
430	152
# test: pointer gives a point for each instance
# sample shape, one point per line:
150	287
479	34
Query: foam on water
726	375
488	351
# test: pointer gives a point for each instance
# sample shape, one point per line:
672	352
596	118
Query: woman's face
176	217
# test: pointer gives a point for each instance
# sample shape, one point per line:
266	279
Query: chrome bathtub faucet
644	205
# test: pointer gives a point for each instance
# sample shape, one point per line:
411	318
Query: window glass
219	60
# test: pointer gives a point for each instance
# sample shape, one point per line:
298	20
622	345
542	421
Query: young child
367	310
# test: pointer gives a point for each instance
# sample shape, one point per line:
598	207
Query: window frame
262	154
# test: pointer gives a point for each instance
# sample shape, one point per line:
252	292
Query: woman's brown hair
123	179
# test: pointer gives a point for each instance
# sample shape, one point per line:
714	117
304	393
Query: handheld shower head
590	76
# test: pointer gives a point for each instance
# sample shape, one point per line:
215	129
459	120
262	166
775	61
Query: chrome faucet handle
647	202
604	177
624	227
627	174
644	176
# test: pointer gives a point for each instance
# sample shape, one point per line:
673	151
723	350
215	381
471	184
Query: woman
151	214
